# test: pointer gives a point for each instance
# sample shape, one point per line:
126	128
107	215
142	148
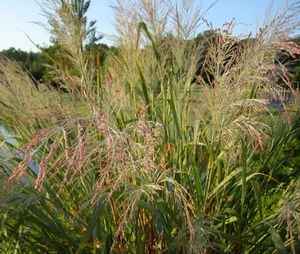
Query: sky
17	19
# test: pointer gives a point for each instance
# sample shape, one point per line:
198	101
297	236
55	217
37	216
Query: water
8	153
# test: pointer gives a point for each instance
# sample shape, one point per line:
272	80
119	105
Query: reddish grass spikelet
78	157
228	27
57	165
20	170
67	151
80	142
122	154
99	185
291	48
100	120
35	140
44	166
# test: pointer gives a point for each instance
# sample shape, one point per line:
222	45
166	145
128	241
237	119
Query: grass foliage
142	155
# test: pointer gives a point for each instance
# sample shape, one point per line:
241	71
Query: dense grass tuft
156	152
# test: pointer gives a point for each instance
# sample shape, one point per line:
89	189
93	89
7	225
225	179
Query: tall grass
155	159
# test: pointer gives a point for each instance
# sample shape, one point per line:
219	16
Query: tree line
37	63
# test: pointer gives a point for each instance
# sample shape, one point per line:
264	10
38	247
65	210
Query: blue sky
16	17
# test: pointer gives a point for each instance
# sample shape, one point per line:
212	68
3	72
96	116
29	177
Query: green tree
32	62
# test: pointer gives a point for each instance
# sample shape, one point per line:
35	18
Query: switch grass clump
170	147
